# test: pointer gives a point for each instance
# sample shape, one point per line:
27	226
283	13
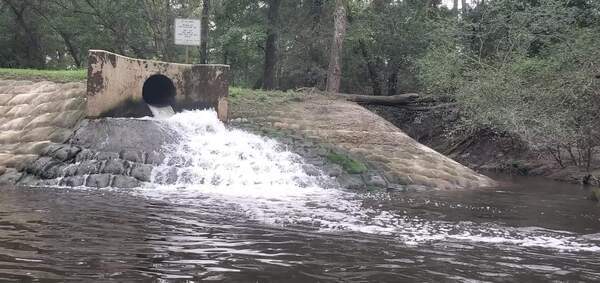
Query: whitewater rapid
228	169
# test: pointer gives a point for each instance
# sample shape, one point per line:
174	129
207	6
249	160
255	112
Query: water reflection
58	234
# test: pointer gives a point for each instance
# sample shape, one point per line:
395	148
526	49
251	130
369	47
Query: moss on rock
349	164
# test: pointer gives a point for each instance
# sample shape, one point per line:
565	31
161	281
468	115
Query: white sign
187	32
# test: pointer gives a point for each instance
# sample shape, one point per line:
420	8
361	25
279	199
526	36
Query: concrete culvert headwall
45	139
120	86
159	91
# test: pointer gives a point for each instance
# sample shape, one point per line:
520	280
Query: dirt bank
483	150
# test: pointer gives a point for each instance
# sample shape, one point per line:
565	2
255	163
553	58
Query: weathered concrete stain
95	80
115	83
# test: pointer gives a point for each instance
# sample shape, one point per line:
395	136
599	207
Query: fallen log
392	100
428	108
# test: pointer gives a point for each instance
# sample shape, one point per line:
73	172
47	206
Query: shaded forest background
530	68
384	38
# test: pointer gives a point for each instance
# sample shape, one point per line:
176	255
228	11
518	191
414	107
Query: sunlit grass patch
50	75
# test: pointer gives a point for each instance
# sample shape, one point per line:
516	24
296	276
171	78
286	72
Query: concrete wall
115	85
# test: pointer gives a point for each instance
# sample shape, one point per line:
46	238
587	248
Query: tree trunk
71	48
455	7
315	10
66	37
393	82
371	68
168	39
35	57
268	81
205	27
334	73
394	100
463	4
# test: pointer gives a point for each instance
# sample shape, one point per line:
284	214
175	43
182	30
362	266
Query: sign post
187	33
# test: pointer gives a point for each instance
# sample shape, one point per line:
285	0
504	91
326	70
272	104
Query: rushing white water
232	170
161	112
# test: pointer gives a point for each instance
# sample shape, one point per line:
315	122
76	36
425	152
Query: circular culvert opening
159	91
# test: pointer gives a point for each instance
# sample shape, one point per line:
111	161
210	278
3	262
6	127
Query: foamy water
161	112
229	169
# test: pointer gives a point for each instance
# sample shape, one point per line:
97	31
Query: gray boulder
125	182
98	181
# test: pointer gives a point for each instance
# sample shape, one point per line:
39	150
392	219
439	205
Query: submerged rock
10	176
333	170
74	181
142	172
352	182
375	180
125	182
595	194
98	181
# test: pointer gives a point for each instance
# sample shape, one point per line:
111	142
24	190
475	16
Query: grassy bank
248	102
39	75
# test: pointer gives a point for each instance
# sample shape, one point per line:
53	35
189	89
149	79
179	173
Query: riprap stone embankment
33	117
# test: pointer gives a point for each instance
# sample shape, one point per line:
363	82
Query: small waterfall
161	112
233	172
216	158
213	163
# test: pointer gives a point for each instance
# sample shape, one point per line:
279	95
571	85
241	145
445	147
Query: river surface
242	210
532	232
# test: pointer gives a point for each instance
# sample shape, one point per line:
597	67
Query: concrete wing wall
115	85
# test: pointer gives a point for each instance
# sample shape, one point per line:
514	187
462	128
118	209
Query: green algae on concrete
349	164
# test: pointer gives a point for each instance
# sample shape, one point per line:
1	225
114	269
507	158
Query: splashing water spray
222	168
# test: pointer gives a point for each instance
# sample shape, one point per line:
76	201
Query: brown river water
525	231
242	209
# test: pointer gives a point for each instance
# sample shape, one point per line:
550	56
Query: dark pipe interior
159	91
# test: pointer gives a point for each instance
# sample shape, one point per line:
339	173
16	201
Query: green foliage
56	34
349	164
442	67
530	69
387	37
51	75
237	36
